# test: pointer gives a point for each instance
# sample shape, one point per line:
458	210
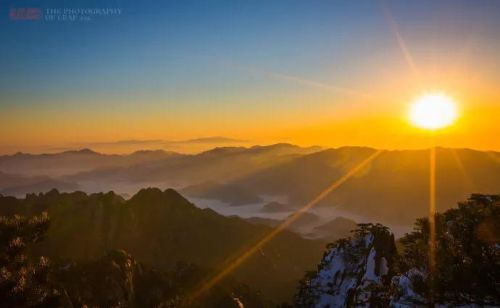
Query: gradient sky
330	73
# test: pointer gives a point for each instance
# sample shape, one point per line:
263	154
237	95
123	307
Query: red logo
25	13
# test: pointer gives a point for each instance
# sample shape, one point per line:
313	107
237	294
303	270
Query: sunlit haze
346	78
258	153
332	74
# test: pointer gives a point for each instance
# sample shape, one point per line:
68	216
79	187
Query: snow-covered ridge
352	272
365	270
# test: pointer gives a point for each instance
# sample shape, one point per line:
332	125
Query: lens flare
241	258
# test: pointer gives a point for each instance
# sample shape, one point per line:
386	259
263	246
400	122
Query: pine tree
24	282
467	252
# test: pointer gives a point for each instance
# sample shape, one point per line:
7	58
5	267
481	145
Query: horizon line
320	149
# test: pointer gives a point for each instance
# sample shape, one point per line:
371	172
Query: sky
329	73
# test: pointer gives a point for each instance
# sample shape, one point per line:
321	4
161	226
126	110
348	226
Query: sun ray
232	265
471	185
432	211
303	81
401	42
494	157
432	111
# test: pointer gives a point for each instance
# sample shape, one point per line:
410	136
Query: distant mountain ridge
69	162
310	226
391	189
220	164
14	185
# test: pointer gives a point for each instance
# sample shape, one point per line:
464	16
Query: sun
433	111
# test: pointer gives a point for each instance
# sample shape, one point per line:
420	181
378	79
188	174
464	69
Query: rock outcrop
365	270
353	272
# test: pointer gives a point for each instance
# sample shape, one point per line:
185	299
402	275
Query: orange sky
339	81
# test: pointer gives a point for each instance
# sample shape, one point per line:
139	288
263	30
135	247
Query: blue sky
184	45
192	55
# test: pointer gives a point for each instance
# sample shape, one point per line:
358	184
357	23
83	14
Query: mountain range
392	189
162	228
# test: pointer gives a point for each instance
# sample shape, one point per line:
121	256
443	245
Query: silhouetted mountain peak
153	152
222	150
284	147
84	151
156	197
21	154
214	139
174	195
52	192
150	192
157	227
276	145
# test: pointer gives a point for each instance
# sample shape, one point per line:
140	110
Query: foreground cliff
161	228
367	271
118	280
114	280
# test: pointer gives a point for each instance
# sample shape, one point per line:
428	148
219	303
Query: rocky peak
353	272
366	271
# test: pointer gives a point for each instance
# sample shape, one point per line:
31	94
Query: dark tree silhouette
467	252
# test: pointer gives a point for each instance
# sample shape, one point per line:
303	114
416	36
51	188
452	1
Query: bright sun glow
433	111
